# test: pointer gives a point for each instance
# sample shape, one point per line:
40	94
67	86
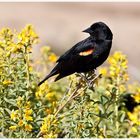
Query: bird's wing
66	55
83	48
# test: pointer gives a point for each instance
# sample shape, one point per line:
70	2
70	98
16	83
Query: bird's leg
90	76
82	75
85	77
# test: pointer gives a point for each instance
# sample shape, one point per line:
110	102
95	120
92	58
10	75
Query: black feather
100	40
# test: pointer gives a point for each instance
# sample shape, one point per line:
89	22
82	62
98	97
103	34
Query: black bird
86	55
128	102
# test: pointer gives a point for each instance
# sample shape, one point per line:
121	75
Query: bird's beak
87	30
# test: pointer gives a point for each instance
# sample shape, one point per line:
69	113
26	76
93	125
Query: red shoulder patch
87	52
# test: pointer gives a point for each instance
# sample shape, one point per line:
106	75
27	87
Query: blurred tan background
60	24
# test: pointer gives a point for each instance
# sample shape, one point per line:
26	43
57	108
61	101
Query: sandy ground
60	24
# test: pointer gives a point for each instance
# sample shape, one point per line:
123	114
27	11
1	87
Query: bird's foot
89	77
82	75
85	78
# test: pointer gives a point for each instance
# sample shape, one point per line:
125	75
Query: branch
73	95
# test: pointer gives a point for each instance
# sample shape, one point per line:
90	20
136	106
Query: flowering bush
79	106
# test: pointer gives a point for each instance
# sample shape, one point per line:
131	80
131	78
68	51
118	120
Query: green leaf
122	117
8	111
10	101
110	113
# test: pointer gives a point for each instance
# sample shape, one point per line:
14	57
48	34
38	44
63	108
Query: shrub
79	106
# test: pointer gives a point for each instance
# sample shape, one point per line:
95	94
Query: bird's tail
47	77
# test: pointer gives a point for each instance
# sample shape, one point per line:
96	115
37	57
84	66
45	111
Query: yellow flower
37	94
16	48
7	82
112	61
28	111
13	127
44	86
51	96
28	105
44	128
14	115
101	137
20	123
28	118
49	111
27	114
48	124
138	89
103	71
135	115
28	127
19	101
119	56
42	89
7	34
134	129
28	36
50	135
126	77
124	64
29	49
122	88
118	66
137	97
52	57
10	49
30	68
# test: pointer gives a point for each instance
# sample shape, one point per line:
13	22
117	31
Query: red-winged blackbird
85	55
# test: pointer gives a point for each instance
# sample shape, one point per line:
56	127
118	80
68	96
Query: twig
86	86
73	95
66	92
61	107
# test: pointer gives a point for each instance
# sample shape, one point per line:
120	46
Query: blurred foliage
79	106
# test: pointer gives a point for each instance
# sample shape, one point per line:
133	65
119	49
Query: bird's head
99	30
